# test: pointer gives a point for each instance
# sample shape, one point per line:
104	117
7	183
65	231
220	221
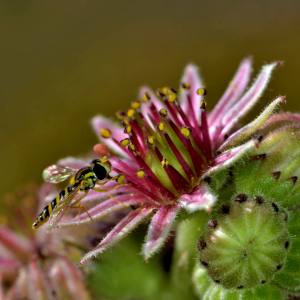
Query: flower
35	265
168	149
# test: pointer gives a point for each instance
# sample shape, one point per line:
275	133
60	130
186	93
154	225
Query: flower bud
247	247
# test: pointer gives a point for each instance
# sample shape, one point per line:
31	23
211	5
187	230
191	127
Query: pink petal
246	132
2	297
191	76
243	106
8	268
94	196
117	133
279	120
68	280
159	229
105	208
36	282
200	198
145	106
17	245
229	157
120	230
234	91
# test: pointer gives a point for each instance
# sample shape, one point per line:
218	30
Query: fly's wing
60	209
57	173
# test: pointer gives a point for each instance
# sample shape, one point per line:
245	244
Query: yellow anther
203	104
104	159
160	93
72	181
163	112
140	173
172	95
164	162
164	90
128	129
136	104
120	178
130	112
124	142
161	126
105	133
150	140
125	122
185	86
146	97
201	91
132	147
172	91
186	131
121	115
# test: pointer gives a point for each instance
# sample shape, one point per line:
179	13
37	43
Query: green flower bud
289	278
272	170
245	244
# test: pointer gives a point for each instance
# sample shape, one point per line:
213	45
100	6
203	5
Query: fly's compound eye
100	169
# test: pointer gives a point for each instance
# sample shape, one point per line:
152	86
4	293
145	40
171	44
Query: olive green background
62	62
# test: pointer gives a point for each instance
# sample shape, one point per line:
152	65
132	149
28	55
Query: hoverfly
83	181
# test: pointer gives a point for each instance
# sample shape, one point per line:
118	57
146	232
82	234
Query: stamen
154	112
125	142
134	139
197	161
205	129
154	198
146	97
137	129
188	171
142	163
105	133
121	115
164	114
125	122
130	113
166	194
193	116
126	167
136	105
185	119
150	143
146	125
171	109
179	182
185	86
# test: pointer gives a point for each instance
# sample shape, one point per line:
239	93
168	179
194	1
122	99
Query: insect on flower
83	181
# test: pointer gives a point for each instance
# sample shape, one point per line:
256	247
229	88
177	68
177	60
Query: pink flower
35	265
168	149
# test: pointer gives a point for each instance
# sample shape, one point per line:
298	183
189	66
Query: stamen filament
188	171
177	179
205	130
153	198
165	193
181	186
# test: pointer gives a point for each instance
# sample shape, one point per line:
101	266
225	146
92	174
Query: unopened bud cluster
246	242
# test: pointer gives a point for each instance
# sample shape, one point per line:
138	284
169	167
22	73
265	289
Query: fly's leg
106	192
119	179
77	205
81	206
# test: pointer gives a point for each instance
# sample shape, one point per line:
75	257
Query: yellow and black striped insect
84	180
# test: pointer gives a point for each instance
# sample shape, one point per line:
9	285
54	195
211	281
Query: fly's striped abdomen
44	216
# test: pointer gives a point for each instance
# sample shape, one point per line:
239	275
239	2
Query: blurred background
62	62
